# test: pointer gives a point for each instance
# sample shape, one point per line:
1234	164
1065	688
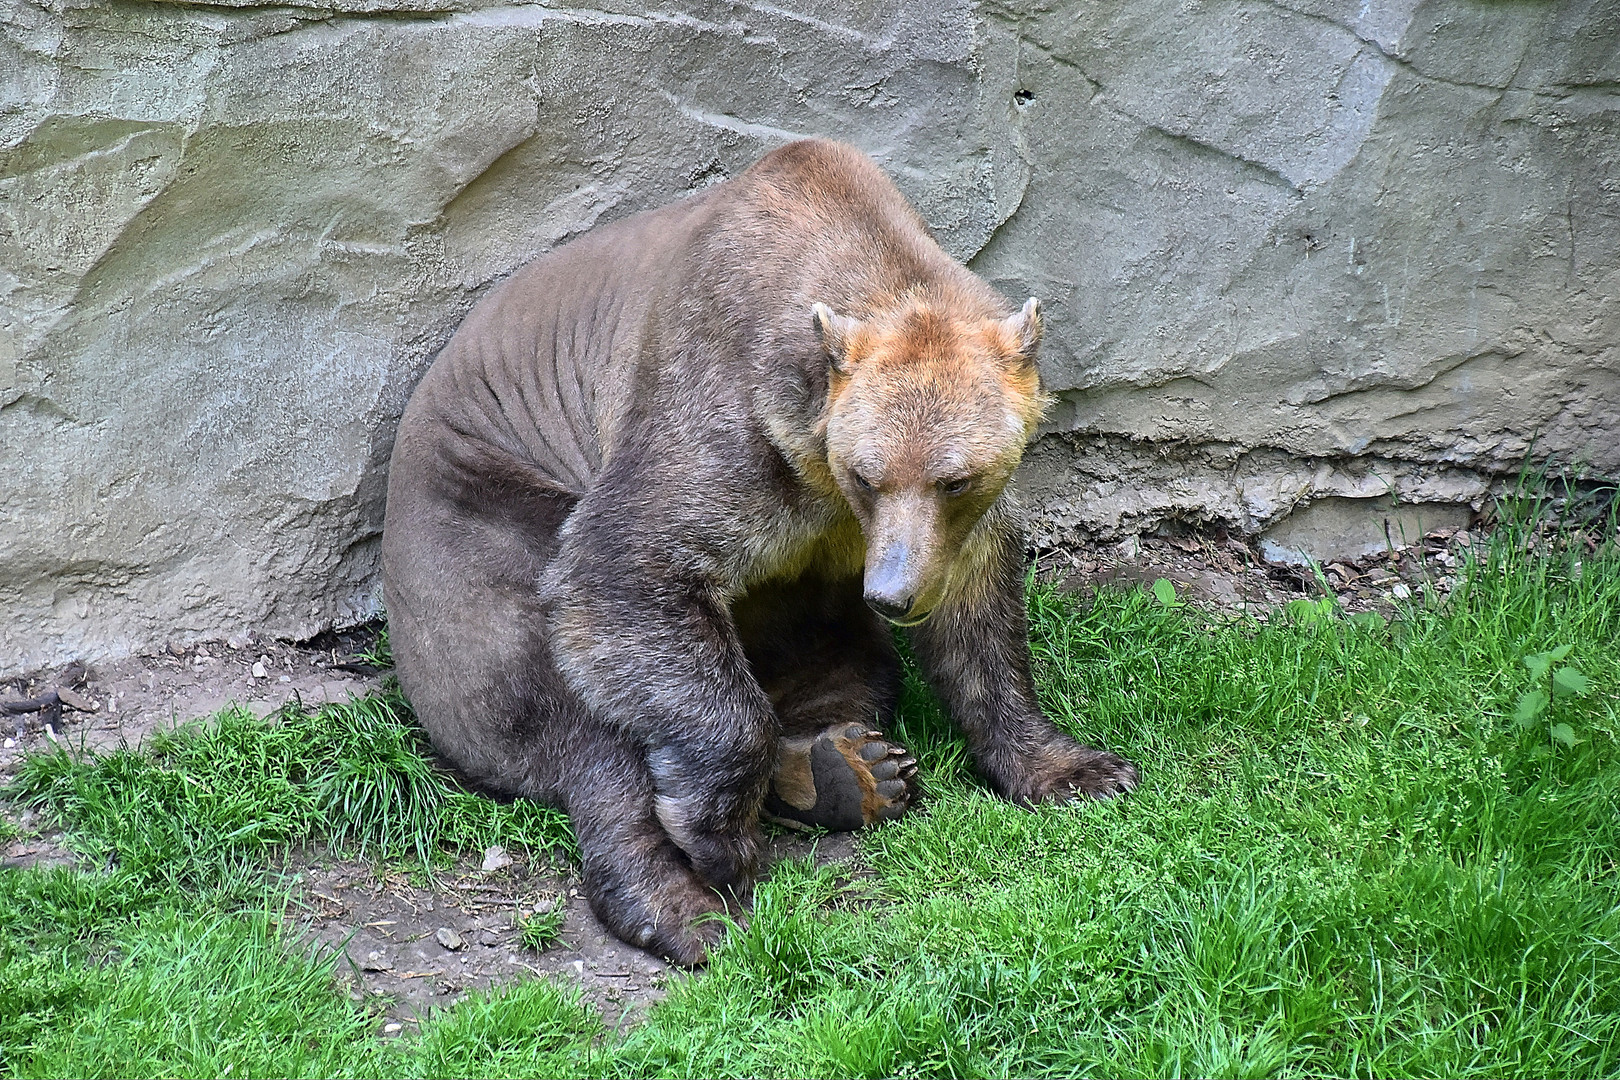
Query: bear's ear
1025	329
837	333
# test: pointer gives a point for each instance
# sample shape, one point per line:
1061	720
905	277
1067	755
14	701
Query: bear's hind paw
840	779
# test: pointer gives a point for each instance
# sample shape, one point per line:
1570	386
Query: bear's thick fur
644	504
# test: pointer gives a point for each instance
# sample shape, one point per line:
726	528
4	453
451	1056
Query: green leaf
1305	612
1540	662
1531	705
1567	681
1563	733
1368	620
1165	593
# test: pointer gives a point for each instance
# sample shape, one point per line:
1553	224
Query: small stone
10	743
285	678
1401	592
495	858
258	670
74	700
449	938
1464	539
579	967
393	1028
376	961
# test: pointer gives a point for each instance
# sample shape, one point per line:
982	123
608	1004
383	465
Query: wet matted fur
645	504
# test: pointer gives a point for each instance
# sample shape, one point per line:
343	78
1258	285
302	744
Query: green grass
1353	853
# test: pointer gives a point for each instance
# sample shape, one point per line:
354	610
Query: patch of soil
1219	572
408	946
110	706
121	702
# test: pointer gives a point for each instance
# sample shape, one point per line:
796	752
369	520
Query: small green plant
380	654
538	930
1165	593
1312	612
1552	684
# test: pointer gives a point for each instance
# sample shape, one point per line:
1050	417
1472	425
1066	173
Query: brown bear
654	507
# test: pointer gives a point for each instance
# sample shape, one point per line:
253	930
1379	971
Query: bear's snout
895	609
890	590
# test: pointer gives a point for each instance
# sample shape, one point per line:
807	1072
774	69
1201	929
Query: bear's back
544	369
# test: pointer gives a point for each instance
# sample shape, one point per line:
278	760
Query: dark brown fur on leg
639	883
468	633
976	654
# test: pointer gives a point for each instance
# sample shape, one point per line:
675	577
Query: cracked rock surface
1289	251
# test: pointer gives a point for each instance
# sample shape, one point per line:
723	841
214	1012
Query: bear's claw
1085	773
840	779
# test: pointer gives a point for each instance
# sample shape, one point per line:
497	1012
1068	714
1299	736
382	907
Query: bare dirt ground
121	703
409	945
108	706
412	946
1224	575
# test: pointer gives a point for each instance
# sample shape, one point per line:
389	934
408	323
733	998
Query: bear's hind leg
832	674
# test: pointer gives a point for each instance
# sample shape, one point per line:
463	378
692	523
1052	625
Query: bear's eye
955	487
861	482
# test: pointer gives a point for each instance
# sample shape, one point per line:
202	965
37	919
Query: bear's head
928	414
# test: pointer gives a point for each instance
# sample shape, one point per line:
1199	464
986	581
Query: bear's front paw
679	921
1079	772
726	862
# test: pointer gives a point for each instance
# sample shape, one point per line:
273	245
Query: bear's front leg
657	656
975	651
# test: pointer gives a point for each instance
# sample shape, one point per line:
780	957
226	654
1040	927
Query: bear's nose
889	607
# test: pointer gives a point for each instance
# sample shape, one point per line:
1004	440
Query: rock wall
1290	251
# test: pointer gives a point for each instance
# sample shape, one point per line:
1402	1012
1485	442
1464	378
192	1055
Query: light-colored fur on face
928	414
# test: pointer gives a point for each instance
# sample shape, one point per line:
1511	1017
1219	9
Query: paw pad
840	779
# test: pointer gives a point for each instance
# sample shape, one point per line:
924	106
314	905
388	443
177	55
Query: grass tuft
540	929
213	801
